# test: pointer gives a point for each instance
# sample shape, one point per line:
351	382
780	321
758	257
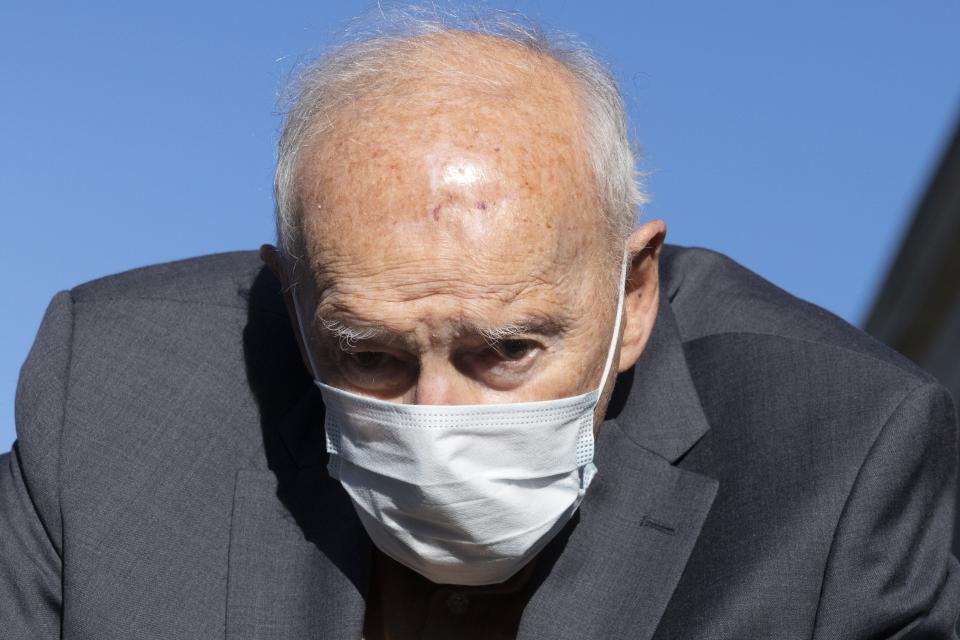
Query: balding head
484	58
444	215
476	157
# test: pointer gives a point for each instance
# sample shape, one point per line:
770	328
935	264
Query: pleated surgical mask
463	494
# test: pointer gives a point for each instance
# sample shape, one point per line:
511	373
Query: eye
376	371
501	364
370	360
513	349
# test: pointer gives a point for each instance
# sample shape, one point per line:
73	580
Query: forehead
454	183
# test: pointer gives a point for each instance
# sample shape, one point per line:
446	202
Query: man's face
456	252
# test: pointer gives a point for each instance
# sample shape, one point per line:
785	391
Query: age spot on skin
481	205
436	213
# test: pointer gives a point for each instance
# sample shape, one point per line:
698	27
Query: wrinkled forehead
451	173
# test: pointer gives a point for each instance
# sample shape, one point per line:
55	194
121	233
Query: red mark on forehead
481	205
436	213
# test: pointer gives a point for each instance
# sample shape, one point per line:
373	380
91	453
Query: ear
642	295
271	257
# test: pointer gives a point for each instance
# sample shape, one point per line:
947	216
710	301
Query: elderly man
466	398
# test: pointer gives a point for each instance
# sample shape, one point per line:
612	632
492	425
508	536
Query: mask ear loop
585	441
303	334
611	351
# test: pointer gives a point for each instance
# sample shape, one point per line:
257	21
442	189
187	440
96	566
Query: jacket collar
655	403
611	573
299	559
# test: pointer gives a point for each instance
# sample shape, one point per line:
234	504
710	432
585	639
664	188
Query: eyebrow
349	336
505	332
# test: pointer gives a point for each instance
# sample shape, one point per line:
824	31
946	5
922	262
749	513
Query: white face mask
463	494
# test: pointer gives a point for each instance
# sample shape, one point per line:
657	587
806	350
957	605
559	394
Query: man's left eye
513	349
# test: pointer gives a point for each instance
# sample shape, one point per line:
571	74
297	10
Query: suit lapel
624	556
613	570
289	577
299	559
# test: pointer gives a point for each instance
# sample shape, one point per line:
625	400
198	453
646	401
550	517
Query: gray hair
371	53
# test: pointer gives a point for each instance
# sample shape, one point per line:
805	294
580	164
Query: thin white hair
493	335
348	337
372	55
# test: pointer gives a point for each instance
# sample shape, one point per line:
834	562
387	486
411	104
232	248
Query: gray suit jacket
766	471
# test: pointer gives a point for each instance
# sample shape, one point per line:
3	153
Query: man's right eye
376	371
370	360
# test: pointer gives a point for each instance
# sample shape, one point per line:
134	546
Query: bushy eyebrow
505	332
348	337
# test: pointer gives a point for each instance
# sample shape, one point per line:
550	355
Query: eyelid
395	354
497	345
353	345
532	351
535	339
500	372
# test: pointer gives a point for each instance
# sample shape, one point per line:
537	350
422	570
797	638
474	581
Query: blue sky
795	137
